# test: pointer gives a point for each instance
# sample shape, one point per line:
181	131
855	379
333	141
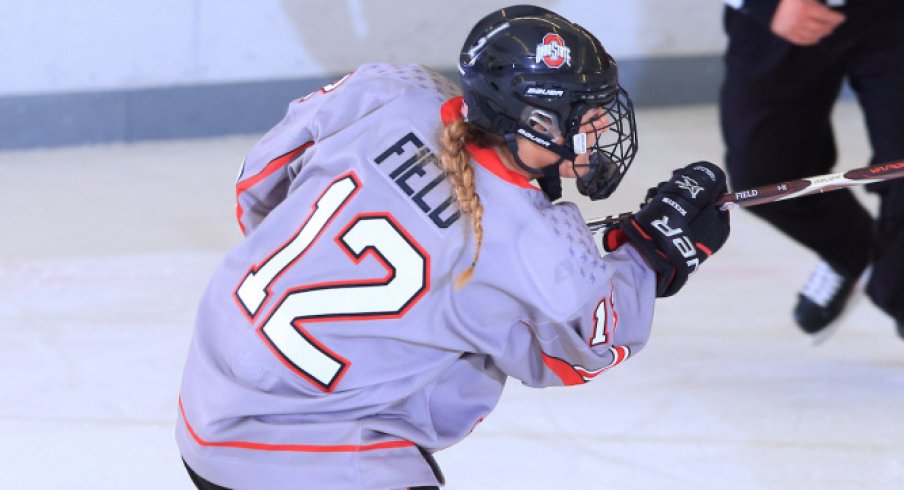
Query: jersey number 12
390	296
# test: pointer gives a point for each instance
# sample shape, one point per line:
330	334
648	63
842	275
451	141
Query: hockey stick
790	189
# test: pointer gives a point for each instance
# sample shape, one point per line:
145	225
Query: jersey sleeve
264	178
583	313
601	334
268	170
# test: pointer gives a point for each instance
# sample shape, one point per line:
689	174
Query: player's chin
571	170
567	171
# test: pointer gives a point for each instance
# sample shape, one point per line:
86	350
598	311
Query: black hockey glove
679	226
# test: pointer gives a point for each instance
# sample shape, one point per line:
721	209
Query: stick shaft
790	189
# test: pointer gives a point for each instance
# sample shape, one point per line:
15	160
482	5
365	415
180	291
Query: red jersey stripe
563	370
269	169
310	448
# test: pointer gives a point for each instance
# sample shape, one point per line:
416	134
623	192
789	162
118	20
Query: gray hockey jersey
331	348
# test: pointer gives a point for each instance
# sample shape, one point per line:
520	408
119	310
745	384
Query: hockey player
400	263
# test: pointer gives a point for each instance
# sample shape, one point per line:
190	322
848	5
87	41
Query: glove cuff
613	238
669	278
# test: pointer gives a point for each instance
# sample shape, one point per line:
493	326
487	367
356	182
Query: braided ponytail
457	163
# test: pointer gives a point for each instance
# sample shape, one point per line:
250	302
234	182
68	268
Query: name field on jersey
417	172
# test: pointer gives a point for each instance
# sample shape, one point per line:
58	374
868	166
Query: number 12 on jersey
378	235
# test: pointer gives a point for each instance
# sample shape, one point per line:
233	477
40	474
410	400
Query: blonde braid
457	163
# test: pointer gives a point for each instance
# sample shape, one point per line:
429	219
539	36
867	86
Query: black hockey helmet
530	72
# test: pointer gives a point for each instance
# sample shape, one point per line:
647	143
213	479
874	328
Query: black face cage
613	147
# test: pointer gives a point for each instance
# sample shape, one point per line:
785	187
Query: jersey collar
486	157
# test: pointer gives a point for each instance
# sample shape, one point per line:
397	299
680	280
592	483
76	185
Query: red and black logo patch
553	52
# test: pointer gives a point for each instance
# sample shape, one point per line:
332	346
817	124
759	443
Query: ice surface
105	251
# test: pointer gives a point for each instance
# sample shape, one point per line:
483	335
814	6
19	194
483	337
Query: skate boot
821	301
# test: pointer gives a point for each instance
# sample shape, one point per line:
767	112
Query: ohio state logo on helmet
553	51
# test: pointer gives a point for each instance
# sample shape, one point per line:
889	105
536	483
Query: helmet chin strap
551	182
512	144
548	176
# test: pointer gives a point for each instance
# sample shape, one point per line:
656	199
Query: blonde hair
457	164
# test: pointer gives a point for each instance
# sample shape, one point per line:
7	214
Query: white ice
105	251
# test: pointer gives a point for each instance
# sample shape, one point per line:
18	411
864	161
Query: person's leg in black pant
877	76
200	482
775	113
